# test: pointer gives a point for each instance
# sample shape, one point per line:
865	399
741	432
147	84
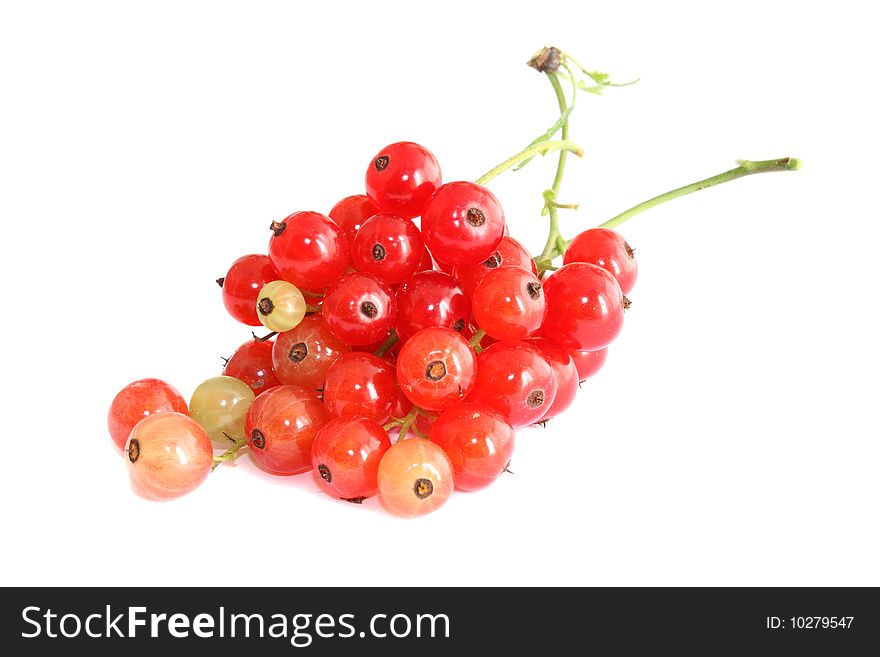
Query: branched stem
536	149
476	340
745	168
230	454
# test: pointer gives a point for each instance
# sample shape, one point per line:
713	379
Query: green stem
230	454
476	340
407	423
745	168
390	341
536	149
551	249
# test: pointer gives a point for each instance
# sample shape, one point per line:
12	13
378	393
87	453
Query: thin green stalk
230	454
549	251
745	168
476	340
536	149
390	341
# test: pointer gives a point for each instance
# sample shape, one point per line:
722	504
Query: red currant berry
415	478
388	247
463	224
509	253
281	427
168	455
402	177
608	249
515	380
564	371
138	400
346	455
361	384
436	368
252	363
351	212
588	362
478	442
359	309
430	298
303	355
241	285
509	304
427	262
584	307
308	250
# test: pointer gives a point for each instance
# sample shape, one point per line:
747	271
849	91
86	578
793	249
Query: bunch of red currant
445	333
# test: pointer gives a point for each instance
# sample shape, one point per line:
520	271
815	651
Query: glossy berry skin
478	442
167	455
346	456
303	355
252	363
402	178
309	250
607	249
415	477
281	427
584	307
389	247
430	298
564	372
509	253
351	212
220	405
516	381
243	283
509	303
138	400
436	368
280	306
359	309
463	224
361	384
588	362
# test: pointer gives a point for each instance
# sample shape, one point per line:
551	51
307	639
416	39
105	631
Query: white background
732	436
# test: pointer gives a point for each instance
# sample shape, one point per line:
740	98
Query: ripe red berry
252	363
280	428
346	455
351	212
508	303
243	283
402	177
359	309
564	372
308	250
584	307
415	477
138	400
361	384
515	380
168	455
607	249
588	362
388	247
430	298
436	368
509	253
478	442
463	224
303	355
427	262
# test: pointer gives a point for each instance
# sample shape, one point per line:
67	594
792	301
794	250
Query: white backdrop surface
731	437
